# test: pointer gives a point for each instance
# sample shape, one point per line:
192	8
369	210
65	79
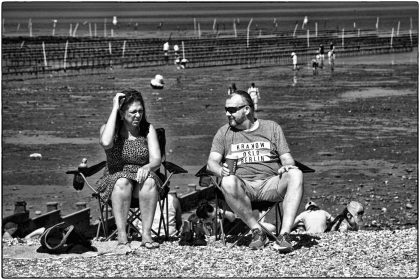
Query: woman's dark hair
203	209
234	86
338	220
131	96
246	97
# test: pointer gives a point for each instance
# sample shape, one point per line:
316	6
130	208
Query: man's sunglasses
233	110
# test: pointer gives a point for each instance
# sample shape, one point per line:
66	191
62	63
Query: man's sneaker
284	245
259	239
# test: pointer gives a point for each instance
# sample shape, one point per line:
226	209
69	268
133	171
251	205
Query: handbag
62	238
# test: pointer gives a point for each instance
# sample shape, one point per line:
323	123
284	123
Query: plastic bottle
78	181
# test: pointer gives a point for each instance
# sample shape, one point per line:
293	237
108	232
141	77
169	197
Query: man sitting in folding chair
260	146
133	156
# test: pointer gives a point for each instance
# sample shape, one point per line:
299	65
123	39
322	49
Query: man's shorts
264	190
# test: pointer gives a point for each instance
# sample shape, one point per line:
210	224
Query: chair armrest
94	168
203	172
90	170
303	168
173	168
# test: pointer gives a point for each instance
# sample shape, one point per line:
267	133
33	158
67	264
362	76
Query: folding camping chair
134	212
262	206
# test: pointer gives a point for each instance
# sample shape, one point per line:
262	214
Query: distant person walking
177	60
315	64
166	52
331	59
321	55
294	61
255	95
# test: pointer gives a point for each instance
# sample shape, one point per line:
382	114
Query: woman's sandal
150	245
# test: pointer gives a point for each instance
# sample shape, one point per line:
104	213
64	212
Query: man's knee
295	178
231	185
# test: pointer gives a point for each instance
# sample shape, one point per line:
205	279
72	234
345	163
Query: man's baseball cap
292	54
356	209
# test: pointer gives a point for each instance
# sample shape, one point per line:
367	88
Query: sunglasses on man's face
233	110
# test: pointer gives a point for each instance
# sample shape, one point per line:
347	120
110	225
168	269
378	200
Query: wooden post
54	24
307	36
214	24
95	29
65	54
123	50
183	50
110	48
4	29
112	33
90	30
75	29
398	29
392	36
247	33
411	37
342	39
71	30
316	29
104	27
234	28
195	27
18	27
377	25
294	32
45	55
30	27
358	33
199	30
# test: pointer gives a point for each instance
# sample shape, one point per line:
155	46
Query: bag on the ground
63	238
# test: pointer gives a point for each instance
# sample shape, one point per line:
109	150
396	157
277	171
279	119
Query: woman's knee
123	185
149	186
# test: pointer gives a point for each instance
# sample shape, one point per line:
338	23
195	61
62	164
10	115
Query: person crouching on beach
350	219
314	219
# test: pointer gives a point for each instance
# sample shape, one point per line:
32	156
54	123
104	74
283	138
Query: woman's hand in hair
116	100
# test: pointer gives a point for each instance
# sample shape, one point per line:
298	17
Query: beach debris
157	82
35	156
409	206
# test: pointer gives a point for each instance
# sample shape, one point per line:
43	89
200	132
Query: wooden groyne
47	55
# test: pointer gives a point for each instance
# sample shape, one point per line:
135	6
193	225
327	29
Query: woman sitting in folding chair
133	156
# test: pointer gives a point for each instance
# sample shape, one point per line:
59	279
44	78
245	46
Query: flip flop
150	245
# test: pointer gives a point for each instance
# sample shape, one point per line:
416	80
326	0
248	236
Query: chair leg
103	222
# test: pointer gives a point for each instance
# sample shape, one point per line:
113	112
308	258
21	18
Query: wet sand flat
357	127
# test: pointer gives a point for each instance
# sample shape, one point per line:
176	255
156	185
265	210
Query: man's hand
225	170
286	168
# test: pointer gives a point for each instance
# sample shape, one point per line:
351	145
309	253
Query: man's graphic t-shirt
258	150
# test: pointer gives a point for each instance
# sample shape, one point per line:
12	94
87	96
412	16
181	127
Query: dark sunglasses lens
231	110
